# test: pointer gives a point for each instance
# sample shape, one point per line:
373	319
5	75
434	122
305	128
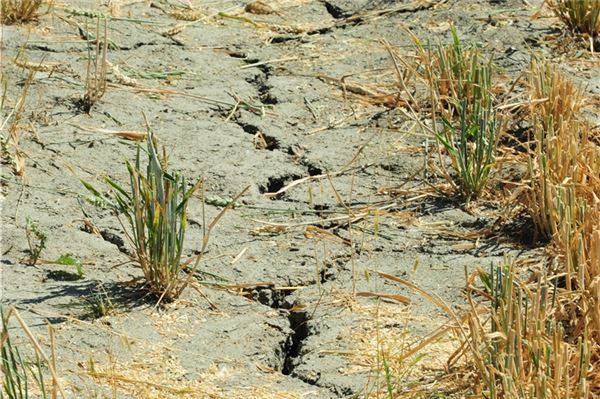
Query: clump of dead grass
97	67
14	124
20	11
564	192
517	344
558	138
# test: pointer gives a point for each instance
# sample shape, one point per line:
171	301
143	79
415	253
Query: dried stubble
564	170
519	348
15	125
544	340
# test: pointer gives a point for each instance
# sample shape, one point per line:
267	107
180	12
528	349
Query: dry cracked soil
297	100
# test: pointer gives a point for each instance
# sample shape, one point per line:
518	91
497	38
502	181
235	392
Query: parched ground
299	102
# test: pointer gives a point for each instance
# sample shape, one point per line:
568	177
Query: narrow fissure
262	87
298	320
335	11
262	140
299	325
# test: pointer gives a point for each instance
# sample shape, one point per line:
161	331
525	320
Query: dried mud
288	325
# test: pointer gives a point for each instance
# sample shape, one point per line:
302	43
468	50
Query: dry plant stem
275	60
14	127
53	357
434	299
113	377
426	58
394	297
205	240
351	219
258	109
95	81
402	81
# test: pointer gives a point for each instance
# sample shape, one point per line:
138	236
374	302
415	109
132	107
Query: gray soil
281	308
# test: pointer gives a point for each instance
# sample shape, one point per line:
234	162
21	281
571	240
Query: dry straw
520	347
564	168
543	340
15	125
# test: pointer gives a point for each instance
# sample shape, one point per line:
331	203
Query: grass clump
155	207
19	11
564	187
564	162
471	145
100	305
581	16
558	138
460	91
18	373
542	339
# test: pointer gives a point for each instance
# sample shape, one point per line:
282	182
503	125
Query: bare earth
284	307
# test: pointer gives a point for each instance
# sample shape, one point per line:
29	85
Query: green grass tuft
155	207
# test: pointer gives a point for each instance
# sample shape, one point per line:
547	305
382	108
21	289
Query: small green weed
70	260
36	240
99	304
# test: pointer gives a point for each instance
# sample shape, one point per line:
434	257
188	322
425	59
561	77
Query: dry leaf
131	135
393	297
